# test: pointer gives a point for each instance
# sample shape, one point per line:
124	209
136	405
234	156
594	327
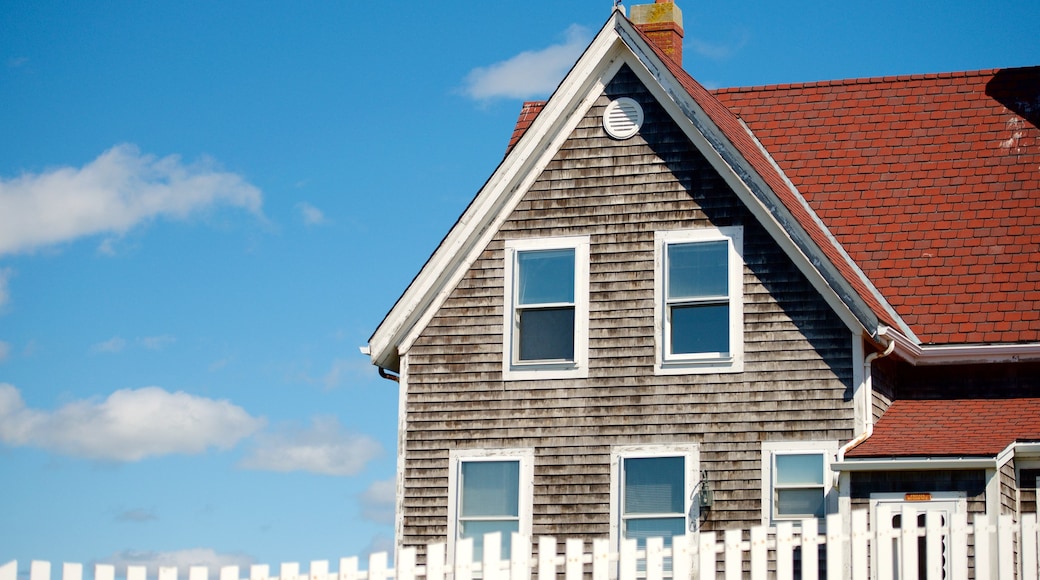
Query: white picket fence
952	550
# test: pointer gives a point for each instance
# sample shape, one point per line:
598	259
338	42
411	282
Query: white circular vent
623	118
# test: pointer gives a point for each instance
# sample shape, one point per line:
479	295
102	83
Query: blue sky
205	208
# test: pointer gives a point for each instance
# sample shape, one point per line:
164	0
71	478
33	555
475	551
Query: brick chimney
661	22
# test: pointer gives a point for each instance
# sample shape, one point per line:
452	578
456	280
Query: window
798	479
653	491
491	492
545	326
700	315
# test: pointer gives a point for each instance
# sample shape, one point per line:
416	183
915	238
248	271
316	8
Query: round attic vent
622	118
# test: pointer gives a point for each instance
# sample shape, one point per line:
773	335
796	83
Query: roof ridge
862	81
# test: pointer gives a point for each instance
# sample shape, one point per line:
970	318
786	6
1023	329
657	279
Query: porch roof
951	428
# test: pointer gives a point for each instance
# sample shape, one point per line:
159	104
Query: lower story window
653	490
797	480
491	492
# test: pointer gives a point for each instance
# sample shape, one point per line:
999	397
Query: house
673	309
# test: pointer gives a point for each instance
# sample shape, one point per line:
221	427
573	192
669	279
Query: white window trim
682	365
828	449
579	367
457	457
693	475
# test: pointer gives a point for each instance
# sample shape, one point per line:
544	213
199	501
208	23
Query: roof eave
929	355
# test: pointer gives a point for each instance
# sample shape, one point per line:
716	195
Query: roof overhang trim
923	355
915	464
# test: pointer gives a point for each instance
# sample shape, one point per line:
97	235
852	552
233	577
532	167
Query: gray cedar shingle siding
797	382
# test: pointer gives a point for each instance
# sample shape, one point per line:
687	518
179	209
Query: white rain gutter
916	464
918	355
868	398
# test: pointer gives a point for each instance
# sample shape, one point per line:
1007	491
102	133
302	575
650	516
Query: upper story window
490	491
700	318
545	326
799	480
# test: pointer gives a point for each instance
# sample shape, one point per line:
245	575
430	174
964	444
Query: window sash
697	317
483	507
652	505
544	308
799	485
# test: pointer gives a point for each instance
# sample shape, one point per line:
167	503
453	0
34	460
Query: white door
911	553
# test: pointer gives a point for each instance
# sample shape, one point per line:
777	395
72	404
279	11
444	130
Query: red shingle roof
951	428
930	182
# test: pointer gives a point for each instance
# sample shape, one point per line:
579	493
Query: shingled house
674	309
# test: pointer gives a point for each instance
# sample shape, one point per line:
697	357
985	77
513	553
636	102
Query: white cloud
137	515
114	344
157	342
530	73
129	425
183	560
311	215
719	51
5	350
5	277
323	448
377	502
119	190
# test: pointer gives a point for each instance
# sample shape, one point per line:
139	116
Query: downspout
868	397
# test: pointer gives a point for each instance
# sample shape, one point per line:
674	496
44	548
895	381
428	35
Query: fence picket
39	570
706	555
104	572
227	573
626	560
784	551
377	569
934	531
857	558
136	573
463	563
405	564
75	571
319	570
573	568
734	553
194	573
9	571
492	556
520	562
836	548
908	542
546	558
983	549
682	557
759	552
810	548
1028	553
959	546
654	558
436	561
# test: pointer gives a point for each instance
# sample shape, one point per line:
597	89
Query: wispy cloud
112	345
530	73
17	61
324	448
157	342
136	516
310	215
716	50
5	350
377	502
181	559
129	425
119	190
5	278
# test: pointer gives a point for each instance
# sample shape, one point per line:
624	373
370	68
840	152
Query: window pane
546	276
641	529
547	334
698	269
801	469
490	488
654	485
700	328
476	530
799	502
